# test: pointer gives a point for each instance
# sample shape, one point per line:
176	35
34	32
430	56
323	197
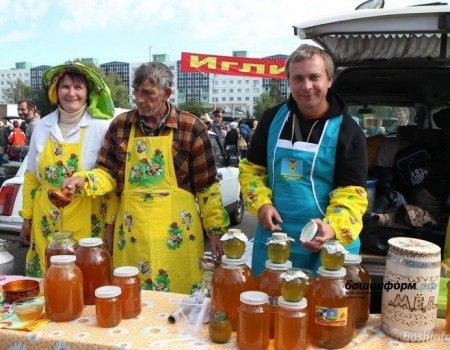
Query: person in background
307	161
160	161
64	142
16	142
252	131
3	137
244	129
232	136
27	111
216	125
379	128
403	116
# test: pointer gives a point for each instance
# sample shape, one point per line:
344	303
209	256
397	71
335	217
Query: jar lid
90	242
279	237
108	292
352	259
234	233
220	316
331	273
413	246
333	246
309	231
126	271
292	305
293	274
254	298
62	259
278	267
230	261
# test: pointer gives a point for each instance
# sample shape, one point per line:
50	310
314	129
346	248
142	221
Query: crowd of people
146	181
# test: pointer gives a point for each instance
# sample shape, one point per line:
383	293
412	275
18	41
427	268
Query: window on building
231	90
224	99
239	99
231	99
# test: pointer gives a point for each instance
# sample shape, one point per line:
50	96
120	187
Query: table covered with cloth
151	330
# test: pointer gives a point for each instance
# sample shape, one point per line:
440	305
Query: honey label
331	316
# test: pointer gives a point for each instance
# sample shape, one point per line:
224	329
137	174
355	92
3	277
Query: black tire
238	214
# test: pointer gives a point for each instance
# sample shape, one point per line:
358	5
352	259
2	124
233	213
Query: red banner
230	65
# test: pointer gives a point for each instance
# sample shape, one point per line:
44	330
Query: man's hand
269	218
216	246
25	233
72	184
324	232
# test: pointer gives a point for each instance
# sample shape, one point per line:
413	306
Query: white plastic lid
278	267
108	292
352	259
230	261
331	273
90	242
254	298
62	259
308	232
292	305
126	271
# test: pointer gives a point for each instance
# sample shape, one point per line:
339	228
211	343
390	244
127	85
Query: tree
275	91
18	91
196	108
264	101
119	92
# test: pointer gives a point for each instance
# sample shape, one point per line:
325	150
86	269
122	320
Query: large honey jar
279	247
228	281
126	277
358	279
291	325
63	289
332	312
62	243
233	242
270	283
95	263
253	321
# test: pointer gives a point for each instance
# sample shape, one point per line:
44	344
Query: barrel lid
108	292
90	242
352	259
279	267
299	305
126	271
414	245
308	232
62	259
254	298
331	273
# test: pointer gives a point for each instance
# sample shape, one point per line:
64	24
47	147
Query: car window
218	156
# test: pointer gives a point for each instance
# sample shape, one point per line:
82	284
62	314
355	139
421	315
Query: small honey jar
293	285
234	243
332	255
279	247
220	328
107	306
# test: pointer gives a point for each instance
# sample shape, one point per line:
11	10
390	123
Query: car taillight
8	195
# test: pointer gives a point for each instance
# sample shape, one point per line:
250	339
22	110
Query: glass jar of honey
279	247
94	262
62	244
332	312
126	277
293	285
228	281
63	289
253	321
359	278
332	254
108	309
270	283
220	328
447	324
233	242
291	325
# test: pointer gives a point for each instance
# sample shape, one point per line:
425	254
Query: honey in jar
94	262
108	308
293	285
126	277
332	312
447	325
253	321
220	328
63	289
359	279
332	254
62	244
279	247
233	242
270	283
291	325
228	281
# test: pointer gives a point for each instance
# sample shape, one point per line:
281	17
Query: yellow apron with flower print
84	216
158	227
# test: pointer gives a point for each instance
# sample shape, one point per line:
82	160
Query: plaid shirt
193	156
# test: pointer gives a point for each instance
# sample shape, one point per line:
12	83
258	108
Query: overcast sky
53	31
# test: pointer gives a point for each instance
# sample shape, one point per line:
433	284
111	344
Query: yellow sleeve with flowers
215	218
98	182
30	185
345	211
253	180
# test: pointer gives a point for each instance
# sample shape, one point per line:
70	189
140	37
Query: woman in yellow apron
64	142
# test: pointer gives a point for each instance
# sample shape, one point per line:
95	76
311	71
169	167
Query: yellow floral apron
84	216
158	227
